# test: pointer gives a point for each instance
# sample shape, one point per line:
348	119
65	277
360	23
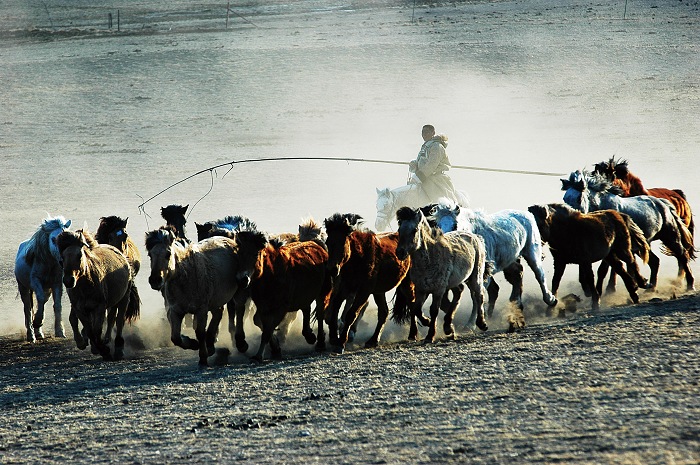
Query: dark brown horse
99	282
366	264
174	215
112	231
290	277
617	171
585	238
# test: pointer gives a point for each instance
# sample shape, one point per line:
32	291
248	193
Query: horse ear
565	184
457	210
184	209
67	224
379	191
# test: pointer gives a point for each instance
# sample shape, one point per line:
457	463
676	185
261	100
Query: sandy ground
517	85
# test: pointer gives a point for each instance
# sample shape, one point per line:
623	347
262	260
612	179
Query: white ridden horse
410	195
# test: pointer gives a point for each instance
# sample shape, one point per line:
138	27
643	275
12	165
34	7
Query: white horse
656	217
38	272
410	195
508	235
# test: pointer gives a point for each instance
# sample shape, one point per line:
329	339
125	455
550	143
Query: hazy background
93	121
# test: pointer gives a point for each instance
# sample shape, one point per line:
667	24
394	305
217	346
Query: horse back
111	274
373	262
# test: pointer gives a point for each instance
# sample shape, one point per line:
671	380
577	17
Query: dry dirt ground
617	387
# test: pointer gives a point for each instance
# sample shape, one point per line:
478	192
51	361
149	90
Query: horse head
51	229
576	191
385	208
174	215
446	215
250	257
112	231
542	214
159	245
338	229
71	246
410	235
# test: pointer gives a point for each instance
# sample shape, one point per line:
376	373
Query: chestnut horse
439	262
100	282
200	278
366	264
617	172
288	278
585	238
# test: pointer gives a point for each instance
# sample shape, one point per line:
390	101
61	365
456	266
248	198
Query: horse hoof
211	350
482	326
339	350
242	346
38	333
203	364
257	359
276	355
310	338
371	344
320	347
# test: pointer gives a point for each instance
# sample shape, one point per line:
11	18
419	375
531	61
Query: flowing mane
598	183
107	225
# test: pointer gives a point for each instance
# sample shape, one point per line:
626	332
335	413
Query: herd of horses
438	250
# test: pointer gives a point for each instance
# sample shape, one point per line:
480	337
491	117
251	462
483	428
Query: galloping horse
366	264
200	278
442	261
619	174
288	278
655	217
508	235
410	195
584	239
99	282
38	272
112	231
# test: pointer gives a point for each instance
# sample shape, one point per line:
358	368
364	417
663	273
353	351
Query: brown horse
288	278
585	238
112	231
200	279
366	264
99	281
619	174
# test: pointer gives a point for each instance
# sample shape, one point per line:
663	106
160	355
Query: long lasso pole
346	159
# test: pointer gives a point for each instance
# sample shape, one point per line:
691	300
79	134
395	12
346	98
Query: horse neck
632	186
604	201
178	254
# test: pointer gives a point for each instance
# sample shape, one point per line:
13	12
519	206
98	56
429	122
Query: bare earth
571	82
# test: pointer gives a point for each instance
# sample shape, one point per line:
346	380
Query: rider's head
428	132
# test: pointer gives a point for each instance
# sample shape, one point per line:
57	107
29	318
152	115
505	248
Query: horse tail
404	296
640	246
133	310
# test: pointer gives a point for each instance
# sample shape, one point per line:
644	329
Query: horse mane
309	230
409	214
236	223
341	223
68	239
38	244
598	183
173	210
619	167
107	225
157	236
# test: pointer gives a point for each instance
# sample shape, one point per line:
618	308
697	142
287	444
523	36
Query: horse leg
56	293
331	317
236	322
682	257
630	284
349	318
416	307
586	274
434	310
268	329
121	318
41	299
200	331
447	324
533	257
514	275
94	328
111	319
28	302
176	336
492	288
80	341
601	273
353	329
382	315
306	329
654	267
213	330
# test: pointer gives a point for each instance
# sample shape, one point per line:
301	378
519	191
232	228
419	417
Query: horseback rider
429	169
